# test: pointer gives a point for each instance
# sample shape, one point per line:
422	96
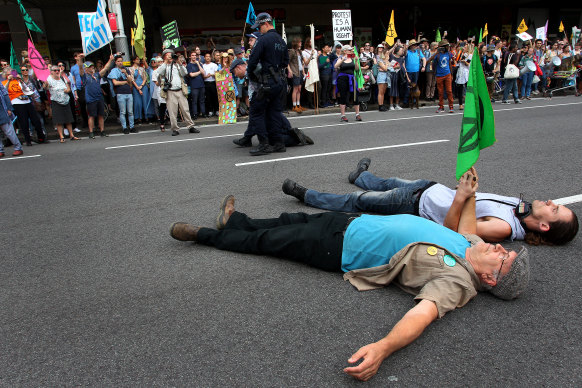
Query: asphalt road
94	292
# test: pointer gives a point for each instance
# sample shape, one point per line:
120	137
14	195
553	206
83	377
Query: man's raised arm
461	215
409	328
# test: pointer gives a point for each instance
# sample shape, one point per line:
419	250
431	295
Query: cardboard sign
342	24
524	36
170	35
541	33
226	97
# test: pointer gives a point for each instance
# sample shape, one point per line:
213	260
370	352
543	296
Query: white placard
541	33
524	36
342	24
95	30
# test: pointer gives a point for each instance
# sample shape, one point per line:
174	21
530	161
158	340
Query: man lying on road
442	268
498	218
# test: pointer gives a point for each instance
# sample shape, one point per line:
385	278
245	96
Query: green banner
478	126
170	35
13	59
30	24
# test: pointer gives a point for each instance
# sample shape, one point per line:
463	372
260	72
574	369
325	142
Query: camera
174	56
166	87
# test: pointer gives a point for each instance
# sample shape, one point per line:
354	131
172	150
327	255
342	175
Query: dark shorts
296	81
95	109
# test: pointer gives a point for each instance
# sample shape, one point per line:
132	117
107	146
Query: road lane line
331	125
171	141
569	200
341	152
20	157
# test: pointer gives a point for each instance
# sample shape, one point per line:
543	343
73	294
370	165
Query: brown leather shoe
226	209
184	232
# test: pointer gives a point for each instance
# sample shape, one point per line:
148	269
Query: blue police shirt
371	241
92	87
271	51
413	59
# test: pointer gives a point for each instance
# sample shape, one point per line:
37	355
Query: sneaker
103	134
535	92
440	110
358	118
362	166
451	110
528	98
66	132
15	153
344	119
391	108
76	130
175	133
382	108
517	101
125	131
398	107
2	154
133	130
91	135
505	102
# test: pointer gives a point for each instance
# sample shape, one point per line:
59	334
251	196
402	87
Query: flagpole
244	30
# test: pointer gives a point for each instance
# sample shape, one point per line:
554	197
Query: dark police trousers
313	239
265	113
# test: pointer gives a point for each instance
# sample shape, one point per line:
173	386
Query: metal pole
120	37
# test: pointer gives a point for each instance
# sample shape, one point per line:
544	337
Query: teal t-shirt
371	241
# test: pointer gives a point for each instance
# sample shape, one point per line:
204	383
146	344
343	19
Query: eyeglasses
502	262
367	45
55	69
61	65
25	69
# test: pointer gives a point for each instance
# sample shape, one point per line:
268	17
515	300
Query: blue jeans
510	85
8	130
125	102
526	83
383	196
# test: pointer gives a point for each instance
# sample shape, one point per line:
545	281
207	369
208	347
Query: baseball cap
515	282
236	63
253	35
491	47
238	50
263	17
88	64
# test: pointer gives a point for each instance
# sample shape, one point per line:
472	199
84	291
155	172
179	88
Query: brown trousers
442	83
430	85
174	101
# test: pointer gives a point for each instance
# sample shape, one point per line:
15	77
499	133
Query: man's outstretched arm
466	189
409	328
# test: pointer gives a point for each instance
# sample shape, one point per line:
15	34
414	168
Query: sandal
62	140
75	138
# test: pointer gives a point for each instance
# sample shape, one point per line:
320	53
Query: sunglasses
55	69
502	262
24	69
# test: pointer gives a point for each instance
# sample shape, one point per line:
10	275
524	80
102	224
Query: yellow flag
391	31
485	32
522	26
561	29
139	37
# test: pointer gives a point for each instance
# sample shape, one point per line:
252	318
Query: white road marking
340	152
171	141
326	125
20	157
569	200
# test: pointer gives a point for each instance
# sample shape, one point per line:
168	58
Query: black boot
292	188
363	165
245	141
261	149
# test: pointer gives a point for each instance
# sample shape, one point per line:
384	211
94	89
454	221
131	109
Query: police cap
263	17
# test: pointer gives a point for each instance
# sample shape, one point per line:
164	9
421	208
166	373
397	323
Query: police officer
266	65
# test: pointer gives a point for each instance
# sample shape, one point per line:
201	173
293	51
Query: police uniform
270	52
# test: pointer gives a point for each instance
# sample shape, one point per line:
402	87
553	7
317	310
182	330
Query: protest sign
524	36
95	30
226	97
541	33
41	70
170	35
342	24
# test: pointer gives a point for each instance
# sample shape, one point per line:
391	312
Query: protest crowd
82	94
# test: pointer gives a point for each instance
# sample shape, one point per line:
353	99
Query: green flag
13	60
480	35
30	24
438	36
139	37
358	72
478	126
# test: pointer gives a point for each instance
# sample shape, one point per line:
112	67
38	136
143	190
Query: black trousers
313	239
24	112
211	96
83	107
